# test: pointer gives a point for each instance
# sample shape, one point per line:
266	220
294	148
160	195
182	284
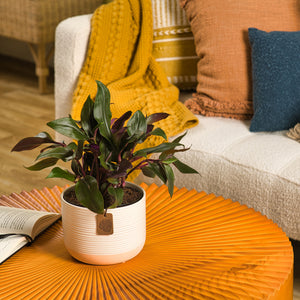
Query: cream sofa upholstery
260	170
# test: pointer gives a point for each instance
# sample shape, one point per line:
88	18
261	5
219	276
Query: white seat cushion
261	170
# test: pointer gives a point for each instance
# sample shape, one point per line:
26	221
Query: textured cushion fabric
276	79
173	43
220	29
260	170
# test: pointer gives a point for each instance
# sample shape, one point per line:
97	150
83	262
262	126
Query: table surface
198	246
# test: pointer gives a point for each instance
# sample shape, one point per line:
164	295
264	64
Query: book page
11	244
21	221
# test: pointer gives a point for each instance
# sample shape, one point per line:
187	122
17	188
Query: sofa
257	169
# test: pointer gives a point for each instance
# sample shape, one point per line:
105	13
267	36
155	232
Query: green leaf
183	168
68	127
60	173
159	171
171	152
76	168
102	113
45	163
118	194
79	149
103	162
159	132
170	179
170	160
103	156
113	180
179	138
137	125
88	194
87	115
160	148
147	171
60	153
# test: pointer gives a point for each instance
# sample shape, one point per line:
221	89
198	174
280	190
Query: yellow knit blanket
120	55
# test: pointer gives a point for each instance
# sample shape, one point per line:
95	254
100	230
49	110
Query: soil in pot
131	196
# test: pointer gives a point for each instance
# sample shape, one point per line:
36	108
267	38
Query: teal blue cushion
276	79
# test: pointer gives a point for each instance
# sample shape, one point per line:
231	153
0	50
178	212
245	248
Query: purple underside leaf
119	123
30	143
124	165
149	128
94	148
118	136
156	117
118	174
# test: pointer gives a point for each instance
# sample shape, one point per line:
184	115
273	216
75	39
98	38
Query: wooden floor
24	112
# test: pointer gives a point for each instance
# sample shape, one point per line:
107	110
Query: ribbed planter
83	242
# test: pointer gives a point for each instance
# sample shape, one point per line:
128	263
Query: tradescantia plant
103	151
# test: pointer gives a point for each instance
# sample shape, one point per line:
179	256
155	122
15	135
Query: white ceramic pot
83	242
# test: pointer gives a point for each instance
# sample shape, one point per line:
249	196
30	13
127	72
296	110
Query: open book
20	226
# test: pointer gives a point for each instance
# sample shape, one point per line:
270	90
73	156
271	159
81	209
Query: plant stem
142	164
81	167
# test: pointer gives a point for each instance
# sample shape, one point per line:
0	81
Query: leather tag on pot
105	224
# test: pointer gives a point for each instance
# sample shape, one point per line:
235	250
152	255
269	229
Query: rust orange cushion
224	70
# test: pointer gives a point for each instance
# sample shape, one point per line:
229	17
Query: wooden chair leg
41	58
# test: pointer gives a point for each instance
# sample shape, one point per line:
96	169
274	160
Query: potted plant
101	224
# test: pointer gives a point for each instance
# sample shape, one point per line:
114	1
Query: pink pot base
105	259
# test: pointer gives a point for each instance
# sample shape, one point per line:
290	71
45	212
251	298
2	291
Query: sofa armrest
71	42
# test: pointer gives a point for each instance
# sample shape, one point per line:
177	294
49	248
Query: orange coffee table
198	246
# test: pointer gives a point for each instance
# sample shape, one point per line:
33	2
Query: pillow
220	29
276	79
173	44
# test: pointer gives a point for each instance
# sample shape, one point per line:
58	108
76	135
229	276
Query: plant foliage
102	153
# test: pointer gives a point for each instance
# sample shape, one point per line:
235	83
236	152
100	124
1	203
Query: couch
257	169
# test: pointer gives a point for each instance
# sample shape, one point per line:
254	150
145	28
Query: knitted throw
120	55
